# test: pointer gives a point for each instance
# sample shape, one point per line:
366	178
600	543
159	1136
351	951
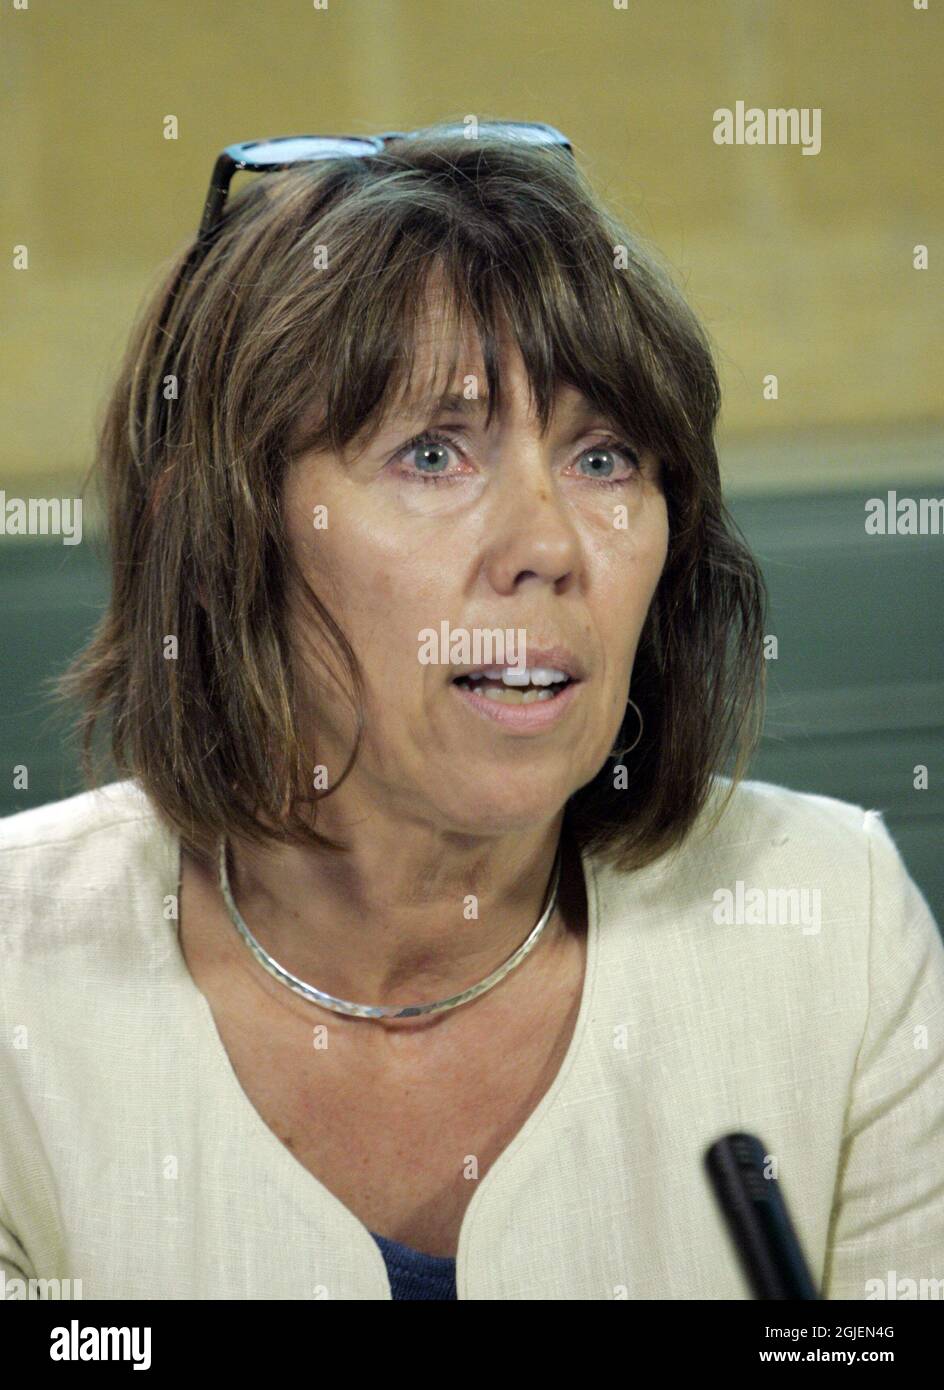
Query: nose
532	532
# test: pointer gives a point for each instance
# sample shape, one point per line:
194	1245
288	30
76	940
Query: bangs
446	281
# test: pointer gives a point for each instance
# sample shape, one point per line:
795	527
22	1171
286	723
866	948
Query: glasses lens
294	148
529	131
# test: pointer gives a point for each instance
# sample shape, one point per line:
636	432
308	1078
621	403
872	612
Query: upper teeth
516	675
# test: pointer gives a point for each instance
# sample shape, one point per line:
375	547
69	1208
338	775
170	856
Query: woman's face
563	536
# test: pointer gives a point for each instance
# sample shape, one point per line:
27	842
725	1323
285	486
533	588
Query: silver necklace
344	1006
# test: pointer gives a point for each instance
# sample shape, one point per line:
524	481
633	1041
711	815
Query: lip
553	658
532	718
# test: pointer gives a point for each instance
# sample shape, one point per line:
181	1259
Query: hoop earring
621	752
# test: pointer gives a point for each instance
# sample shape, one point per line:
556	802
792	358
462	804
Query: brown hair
192	485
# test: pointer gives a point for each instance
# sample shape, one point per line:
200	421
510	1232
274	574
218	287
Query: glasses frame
240	157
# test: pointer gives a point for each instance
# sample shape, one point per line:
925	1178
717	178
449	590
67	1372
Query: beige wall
800	266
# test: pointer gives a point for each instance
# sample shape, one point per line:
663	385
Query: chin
506	812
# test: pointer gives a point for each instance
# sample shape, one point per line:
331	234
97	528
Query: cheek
381	584
337	558
633	558
657	544
651	538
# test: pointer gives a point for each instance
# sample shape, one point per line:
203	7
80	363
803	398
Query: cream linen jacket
132	1160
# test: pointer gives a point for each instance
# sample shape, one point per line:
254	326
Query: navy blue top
415	1275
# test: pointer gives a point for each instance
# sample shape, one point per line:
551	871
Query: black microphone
757	1219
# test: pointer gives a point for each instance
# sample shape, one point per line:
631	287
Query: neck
403	918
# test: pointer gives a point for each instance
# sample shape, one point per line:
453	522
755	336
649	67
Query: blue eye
614	446
427	441
432	439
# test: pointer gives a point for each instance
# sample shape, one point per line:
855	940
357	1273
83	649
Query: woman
394	964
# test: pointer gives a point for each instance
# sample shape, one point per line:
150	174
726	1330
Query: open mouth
511	687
